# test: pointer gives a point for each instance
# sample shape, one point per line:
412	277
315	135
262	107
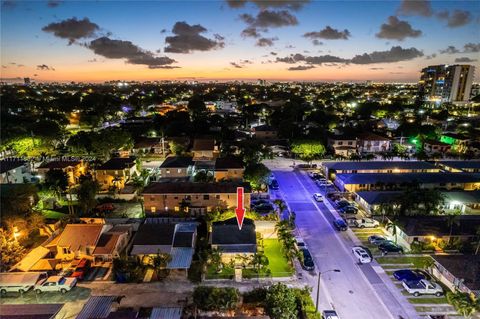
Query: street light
318	285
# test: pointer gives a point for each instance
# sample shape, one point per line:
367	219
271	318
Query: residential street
357	291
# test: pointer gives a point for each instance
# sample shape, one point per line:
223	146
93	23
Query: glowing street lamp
318	285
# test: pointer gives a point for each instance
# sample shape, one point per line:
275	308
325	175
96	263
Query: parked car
300	243
343	202
340	224
366	223
20	281
80	268
314	175
257	202
264	208
318	197
409	275
361	254
390	247
308	263
423	287
348	210
376	239
56	283
324	184
330	314
274	185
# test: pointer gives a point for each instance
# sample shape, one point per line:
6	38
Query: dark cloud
431	56
44	67
317	42
270	19
455	19
273	53
376	69
72	29
262	4
450	50
301	68
240	64
289	46
20	65
188	38
465	60
329	34
294	58
236	65
471	48
4	66
397	72
250	32
118	49
395	54
415	8
53	3
396	29
265	42
168	67
163	31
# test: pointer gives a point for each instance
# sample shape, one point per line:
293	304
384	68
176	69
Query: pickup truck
19	281
56	283
366	223
423	287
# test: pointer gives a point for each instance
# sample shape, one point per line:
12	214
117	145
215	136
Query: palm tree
259	261
478	240
281	207
466	304
393	226
452	219
428	264
215	259
159	263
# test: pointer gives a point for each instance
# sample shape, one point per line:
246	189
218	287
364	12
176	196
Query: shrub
215	298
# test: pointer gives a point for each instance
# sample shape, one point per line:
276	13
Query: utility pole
318	285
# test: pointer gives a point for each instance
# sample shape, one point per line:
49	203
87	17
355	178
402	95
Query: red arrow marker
240	211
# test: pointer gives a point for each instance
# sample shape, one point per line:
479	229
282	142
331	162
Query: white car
366	223
56	283
362	255
300	243
318	197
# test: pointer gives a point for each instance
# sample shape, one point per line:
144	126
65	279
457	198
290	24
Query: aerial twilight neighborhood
240	158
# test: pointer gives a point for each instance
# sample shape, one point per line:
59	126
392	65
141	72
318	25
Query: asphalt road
357	291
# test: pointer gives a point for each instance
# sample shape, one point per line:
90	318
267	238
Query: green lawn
417	262
278	264
52	214
227	273
428	300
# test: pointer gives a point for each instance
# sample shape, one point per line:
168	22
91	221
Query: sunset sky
96	41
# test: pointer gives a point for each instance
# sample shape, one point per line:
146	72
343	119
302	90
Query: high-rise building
446	83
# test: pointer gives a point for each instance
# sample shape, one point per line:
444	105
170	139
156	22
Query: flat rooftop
422	178
368	165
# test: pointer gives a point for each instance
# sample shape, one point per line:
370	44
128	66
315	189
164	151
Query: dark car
409	275
274	185
348	210
390	247
307	260
344	203
264	208
257	202
340	224
81	268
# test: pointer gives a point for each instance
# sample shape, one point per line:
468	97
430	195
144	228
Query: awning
166	313
181	258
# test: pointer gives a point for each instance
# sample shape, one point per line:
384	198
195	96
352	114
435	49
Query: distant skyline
97	41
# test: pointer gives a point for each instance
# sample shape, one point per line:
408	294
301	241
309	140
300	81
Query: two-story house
116	172
194	198
228	168
204	149
343	145
372	143
73	168
177	167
